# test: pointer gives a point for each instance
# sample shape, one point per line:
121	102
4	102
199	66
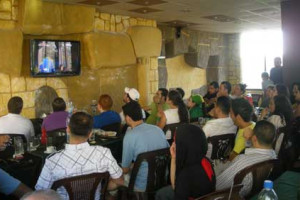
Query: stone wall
234	59
26	88
118	23
8	14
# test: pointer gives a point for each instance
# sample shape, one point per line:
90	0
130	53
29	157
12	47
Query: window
258	50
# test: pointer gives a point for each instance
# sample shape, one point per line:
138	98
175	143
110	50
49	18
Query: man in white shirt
13	122
223	124
79	158
262	139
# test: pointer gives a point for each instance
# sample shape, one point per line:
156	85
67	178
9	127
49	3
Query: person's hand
264	113
160	113
173	150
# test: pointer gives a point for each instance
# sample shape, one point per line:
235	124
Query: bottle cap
268	184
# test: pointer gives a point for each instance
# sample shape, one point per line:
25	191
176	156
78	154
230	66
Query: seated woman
195	106
296	89
177	112
297	102
57	119
280	110
192	175
281	89
106	116
239	92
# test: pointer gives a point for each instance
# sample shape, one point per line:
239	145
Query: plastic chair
84	187
172	128
158	168
116	127
260	172
224	194
59	137
221	145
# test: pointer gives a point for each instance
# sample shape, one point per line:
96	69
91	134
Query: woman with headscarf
192	175
195	106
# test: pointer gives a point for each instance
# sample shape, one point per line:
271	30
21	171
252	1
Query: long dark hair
283	90
191	146
283	108
176	99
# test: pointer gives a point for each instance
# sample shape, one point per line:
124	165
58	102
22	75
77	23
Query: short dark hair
81	124
133	110
242	87
243	108
164	92
224	104
283	90
265	132
181	91
58	104
227	85
15	105
215	84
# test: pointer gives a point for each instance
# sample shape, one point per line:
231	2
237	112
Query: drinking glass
19	146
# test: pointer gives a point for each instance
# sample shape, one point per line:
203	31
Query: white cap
133	93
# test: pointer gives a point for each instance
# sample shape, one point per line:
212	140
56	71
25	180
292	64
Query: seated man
78	157
159	103
58	118
130	94
223	124
241	112
211	94
141	138
262	139
13	122
106	116
224	91
8	184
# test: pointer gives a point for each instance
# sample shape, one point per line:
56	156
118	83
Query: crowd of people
192	172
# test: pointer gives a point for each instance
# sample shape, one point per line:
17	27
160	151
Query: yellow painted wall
182	75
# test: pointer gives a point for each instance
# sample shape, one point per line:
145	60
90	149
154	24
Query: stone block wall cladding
25	87
234	59
118	23
9	10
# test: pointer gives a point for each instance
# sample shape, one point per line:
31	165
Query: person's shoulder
151	127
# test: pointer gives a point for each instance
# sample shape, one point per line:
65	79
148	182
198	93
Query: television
54	58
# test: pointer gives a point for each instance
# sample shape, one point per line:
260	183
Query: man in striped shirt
262	139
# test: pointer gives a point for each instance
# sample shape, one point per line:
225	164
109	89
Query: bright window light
258	50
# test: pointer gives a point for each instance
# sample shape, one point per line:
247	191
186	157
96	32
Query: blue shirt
140	139
106	118
8	184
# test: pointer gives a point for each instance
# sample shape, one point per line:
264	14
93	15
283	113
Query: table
287	186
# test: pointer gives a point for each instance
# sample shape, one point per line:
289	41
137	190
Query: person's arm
127	154
232	155
173	164
45	180
163	120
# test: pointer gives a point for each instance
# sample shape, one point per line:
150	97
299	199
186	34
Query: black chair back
260	172
158	174
59	137
116	127
221	145
172	128
84	187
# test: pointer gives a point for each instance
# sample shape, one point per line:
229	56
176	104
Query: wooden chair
59	137
221	145
224	194
158	176
84	187
260	172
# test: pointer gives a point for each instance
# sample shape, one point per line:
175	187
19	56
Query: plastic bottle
70	108
267	193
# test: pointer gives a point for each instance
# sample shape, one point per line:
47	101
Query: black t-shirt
193	182
209	96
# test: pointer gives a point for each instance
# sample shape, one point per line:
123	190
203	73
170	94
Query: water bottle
267	193
70	108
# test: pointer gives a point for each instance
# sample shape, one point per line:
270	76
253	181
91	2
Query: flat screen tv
54	58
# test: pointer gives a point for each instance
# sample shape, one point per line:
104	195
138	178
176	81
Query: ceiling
225	16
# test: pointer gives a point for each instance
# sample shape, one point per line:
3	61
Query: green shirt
152	119
196	111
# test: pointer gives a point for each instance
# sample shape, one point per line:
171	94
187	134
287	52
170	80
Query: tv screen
54	58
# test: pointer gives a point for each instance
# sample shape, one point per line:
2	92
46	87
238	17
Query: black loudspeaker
213	61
